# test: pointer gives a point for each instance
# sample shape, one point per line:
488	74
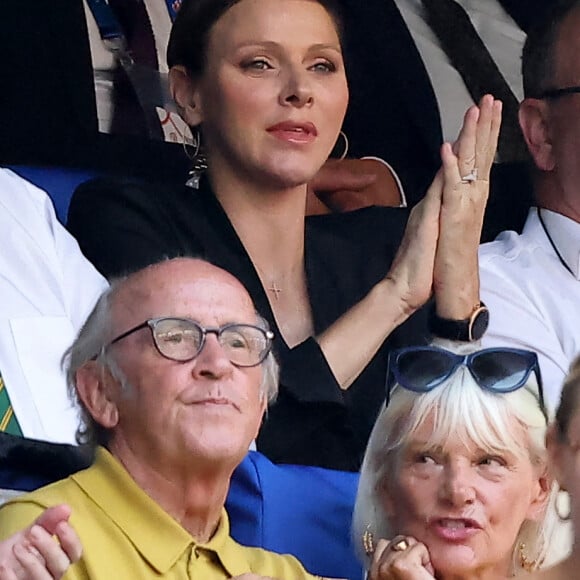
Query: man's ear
97	390
533	116
184	93
556	456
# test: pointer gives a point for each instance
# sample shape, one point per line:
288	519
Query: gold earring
526	564
368	541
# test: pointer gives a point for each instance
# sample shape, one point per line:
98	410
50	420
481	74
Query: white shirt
534	302
501	35
47	289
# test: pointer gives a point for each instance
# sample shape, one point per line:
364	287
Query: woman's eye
257	64
492	461
425	459
323	66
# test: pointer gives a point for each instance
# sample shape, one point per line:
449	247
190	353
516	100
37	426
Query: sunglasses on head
499	370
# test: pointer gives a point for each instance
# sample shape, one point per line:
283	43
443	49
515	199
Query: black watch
467	330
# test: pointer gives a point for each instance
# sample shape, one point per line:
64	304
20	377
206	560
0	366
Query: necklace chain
552	243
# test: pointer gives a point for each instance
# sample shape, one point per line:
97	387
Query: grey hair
270	369
460	409
91	343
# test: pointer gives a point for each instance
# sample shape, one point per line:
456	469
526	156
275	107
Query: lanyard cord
553	244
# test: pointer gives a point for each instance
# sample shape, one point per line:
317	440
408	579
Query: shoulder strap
148	83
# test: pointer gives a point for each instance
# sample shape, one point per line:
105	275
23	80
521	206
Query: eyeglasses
181	339
499	370
557	93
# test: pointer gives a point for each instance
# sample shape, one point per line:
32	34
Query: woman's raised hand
411	274
403	558
466	168
439	249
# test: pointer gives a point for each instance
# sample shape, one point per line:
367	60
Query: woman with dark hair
263	83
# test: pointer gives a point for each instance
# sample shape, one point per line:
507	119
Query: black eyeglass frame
557	93
152	323
465	360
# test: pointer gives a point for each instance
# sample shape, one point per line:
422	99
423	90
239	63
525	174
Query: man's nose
213	360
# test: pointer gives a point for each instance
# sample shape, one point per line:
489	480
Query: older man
173	371
531	283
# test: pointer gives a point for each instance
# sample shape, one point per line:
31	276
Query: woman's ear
184	93
97	390
540	495
533	117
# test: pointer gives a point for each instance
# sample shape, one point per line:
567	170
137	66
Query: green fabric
8	421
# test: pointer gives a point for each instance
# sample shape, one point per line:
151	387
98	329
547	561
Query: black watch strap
467	330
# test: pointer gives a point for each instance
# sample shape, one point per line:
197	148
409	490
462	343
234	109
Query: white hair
461	409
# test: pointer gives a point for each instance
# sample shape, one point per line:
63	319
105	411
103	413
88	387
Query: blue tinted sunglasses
500	370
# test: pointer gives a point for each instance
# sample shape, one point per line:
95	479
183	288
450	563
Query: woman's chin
454	559
290	173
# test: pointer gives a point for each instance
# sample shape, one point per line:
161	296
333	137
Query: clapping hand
33	554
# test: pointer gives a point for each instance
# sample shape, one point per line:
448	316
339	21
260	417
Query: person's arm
438	251
79	282
33	553
344	185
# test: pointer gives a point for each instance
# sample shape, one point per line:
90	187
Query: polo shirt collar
111	487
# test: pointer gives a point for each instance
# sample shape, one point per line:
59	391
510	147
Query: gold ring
400	546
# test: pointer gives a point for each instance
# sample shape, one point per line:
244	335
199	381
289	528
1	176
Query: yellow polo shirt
127	536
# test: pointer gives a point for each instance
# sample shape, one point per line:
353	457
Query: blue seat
58	182
305	511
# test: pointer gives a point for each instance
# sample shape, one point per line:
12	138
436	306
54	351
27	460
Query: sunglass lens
501	371
423	370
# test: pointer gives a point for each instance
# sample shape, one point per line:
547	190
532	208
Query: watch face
480	323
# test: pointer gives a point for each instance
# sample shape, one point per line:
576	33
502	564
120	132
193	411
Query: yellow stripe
6	419
1	383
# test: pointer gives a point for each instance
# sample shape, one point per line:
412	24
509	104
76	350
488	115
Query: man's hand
33	554
349	184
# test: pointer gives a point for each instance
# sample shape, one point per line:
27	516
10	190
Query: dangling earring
198	159
345	139
557	509
368	541
526	564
